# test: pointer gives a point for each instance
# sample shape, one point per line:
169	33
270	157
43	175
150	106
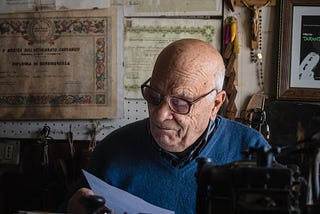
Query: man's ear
219	99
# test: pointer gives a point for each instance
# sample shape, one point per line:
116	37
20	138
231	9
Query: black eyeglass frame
190	103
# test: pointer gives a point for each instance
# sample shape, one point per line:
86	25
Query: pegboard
134	109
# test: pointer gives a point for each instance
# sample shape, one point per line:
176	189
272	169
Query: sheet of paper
8	6
82	4
172	8
120	201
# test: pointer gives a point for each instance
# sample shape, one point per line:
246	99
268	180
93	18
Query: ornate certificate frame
59	65
145	38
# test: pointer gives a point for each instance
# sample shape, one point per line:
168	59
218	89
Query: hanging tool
93	142
70	141
44	136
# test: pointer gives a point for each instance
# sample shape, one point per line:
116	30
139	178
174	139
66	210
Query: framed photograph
299	54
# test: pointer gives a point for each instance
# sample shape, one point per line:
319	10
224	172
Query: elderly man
155	158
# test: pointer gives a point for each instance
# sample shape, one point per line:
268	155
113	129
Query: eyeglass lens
151	95
179	105
176	104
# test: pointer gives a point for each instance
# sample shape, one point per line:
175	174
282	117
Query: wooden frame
291	83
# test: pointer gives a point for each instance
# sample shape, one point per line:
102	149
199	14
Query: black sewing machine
254	185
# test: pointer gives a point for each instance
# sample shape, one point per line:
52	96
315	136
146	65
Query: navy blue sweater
127	159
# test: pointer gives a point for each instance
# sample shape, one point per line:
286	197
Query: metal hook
70	140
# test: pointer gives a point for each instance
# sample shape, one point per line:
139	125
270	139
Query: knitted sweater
127	159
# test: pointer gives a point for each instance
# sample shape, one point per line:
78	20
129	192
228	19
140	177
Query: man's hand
75	205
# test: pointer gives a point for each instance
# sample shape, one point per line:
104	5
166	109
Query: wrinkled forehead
184	65
182	80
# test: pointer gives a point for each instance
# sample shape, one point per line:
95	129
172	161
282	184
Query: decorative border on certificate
145	38
299	64
58	65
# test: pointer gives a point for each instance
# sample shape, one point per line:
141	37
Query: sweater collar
183	158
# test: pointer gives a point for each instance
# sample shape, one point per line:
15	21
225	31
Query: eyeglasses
176	104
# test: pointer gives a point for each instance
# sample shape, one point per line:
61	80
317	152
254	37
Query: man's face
172	131
187	69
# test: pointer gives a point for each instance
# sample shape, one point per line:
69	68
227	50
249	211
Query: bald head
191	58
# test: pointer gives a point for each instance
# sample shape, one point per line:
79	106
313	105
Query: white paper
120	201
82	4
7	6
172	8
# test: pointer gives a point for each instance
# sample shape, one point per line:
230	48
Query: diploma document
59	65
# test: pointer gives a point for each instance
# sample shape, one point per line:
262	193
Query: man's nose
163	110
